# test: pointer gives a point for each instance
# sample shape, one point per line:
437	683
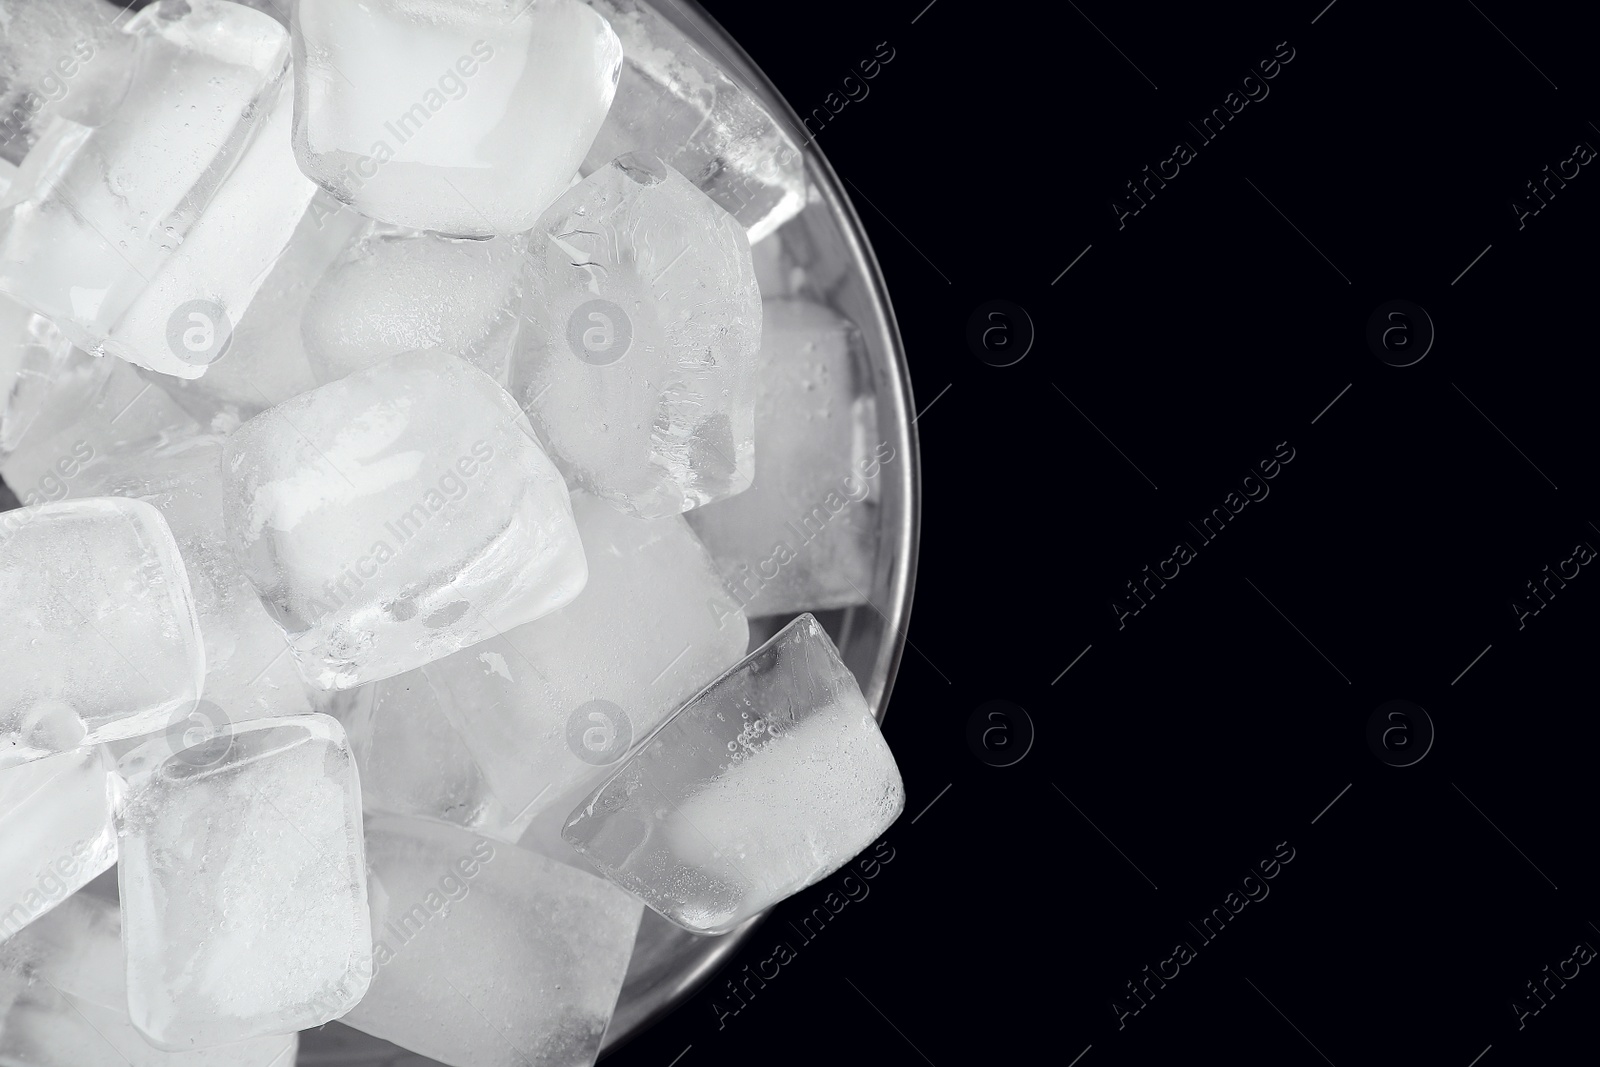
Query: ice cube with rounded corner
398	515
249	673
768	781
244	886
111	645
68	1002
464	117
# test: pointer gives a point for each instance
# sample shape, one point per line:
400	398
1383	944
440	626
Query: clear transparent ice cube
675	102
767	782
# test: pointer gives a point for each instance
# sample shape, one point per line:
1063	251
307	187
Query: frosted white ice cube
69	1002
637	359
398	291
56	834
108	644
768	781
393	517
265	362
244	886
547	705
675	102
803	537
183	321
414	762
487	955
121	233
465	117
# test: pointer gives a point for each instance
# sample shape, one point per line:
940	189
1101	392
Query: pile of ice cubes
432	451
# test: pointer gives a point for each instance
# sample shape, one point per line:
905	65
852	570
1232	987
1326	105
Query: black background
1222	720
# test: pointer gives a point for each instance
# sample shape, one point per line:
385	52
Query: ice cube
414	762
43	377
183	321
56	834
125	414
244	886
803	537
70	1000
676	103
59	57
249	671
266	362
487	955
637	359
464	117
111	645
397	291
547	705
145	236
393	517
768	781
776	275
